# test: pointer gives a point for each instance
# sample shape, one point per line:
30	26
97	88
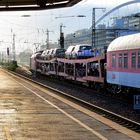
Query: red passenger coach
123	61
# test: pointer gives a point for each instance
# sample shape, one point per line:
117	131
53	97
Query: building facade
105	35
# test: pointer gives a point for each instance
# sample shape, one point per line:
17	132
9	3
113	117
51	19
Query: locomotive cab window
133	60
125	60
114	60
139	59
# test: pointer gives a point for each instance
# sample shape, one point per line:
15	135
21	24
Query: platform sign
137	102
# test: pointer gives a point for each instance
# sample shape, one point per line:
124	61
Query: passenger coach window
125	60
113	60
139	59
133	60
120	61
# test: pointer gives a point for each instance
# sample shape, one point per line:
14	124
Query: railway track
128	123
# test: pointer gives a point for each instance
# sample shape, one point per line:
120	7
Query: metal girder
22	5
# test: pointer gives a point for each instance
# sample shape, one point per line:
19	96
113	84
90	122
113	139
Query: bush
10	65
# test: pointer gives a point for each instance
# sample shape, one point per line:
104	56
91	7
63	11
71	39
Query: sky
32	29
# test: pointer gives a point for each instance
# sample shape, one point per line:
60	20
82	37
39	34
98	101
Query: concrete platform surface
27	112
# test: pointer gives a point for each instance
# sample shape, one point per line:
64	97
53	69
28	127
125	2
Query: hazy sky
29	30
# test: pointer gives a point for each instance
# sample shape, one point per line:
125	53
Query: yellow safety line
7	133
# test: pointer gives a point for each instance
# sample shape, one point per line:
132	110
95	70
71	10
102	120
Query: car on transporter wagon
44	54
68	53
58	53
82	51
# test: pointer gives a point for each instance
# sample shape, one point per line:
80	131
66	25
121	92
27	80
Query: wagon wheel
116	89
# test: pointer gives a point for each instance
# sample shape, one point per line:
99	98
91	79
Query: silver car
68	53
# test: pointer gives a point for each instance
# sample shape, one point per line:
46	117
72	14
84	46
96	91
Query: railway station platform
29	112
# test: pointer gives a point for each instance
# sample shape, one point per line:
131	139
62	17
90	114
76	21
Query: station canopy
21	5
